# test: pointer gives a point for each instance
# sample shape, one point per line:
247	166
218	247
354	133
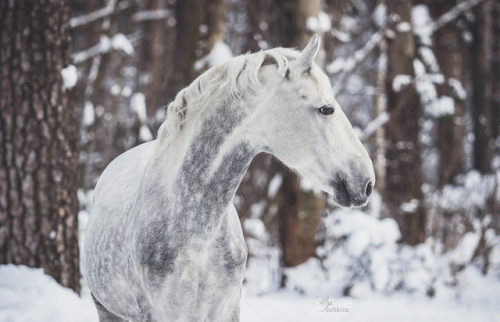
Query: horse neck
214	160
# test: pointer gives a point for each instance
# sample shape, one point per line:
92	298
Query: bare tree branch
151	15
93	16
374	125
357	58
84	55
454	13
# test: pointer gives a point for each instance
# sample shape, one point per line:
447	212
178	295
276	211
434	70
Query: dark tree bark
189	17
38	137
299	217
336	9
404	168
450	55
481	82
495	66
216	21
155	58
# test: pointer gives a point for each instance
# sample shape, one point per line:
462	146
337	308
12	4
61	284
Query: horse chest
218	257
204	279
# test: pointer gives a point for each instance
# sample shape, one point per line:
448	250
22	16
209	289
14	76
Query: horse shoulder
125	171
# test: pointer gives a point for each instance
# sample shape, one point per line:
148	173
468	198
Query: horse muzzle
351	193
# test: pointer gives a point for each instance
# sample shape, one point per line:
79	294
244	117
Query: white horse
164	242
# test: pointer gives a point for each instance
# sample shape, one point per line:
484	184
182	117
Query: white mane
231	78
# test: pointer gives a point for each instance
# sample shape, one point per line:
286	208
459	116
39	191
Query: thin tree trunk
403	195
450	128
154	59
481	81
189	17
216	21
379	161
495	66
38	137
299	217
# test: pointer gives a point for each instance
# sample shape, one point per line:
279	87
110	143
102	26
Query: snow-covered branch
93	16
373	126
151	15
347	67
454	13
84	55
118	42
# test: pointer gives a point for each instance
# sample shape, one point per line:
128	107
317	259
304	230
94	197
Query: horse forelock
238	75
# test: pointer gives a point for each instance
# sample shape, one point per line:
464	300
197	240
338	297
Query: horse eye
326	110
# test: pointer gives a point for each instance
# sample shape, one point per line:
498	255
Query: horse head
301	123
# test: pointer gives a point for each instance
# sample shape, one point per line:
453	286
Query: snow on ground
27	295
386	282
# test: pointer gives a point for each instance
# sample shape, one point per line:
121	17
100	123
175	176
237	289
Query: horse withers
164	241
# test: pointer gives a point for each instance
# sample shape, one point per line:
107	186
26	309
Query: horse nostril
369	189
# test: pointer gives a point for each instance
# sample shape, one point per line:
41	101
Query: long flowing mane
232	78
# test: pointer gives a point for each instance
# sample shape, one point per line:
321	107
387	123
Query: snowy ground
28	295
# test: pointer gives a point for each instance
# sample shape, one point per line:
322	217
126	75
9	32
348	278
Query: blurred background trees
418	80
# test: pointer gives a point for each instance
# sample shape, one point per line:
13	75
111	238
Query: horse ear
309	53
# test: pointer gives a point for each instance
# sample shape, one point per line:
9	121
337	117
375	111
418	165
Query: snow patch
219	54
27	294
88	114
255	228
380	15
274	185
138	105
403	26
422	24
336	66
121	42
319	23
126	91
145	133
429	58
104	44
462	254
458	88
442	106
410	207
70	76
400	81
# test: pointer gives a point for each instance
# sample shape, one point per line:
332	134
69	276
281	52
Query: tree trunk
38	137
379	161
189	17
299	217
450	128
403	195
481	81
495	108
216	21
155	59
